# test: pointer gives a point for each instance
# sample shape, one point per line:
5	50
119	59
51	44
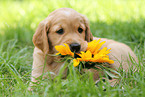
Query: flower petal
88	54
68	51
57	53
76	62
64	50
61	49
104	51
85	56
102	60
94	46
98	47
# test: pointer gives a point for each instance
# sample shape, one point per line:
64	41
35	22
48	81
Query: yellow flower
93	53
64	50
94	46
85	56
102	56
99	57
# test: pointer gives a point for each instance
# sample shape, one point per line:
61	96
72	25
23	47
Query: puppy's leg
120	54
38	67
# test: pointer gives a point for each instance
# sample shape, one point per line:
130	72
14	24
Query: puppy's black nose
75	47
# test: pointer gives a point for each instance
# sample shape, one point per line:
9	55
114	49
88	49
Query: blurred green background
121	20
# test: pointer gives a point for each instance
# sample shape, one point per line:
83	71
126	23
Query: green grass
121	20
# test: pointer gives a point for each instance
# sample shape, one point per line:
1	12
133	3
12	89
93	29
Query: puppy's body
68	26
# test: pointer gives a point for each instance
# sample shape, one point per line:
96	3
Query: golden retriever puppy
65	25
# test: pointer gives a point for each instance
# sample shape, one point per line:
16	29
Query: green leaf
110	74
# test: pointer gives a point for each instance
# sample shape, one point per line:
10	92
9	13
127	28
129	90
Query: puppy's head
63	25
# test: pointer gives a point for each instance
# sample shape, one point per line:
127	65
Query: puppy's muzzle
75	47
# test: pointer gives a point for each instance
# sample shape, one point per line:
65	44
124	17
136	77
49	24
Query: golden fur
45	38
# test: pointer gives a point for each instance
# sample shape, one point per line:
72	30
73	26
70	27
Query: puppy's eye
80	30
60	31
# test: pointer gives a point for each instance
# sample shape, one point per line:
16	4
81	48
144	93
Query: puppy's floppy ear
40	38
88	34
